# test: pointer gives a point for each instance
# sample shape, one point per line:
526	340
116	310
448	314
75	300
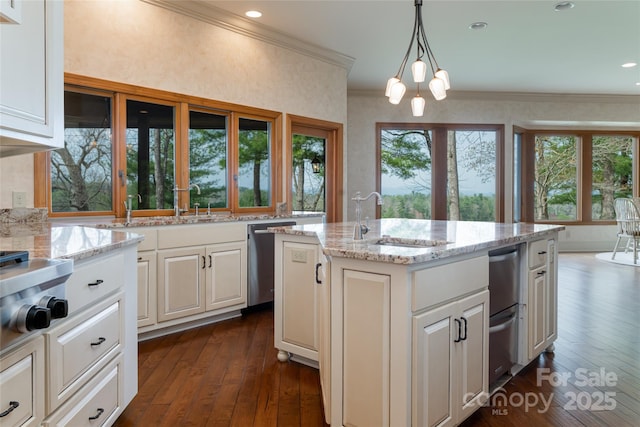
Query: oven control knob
59	307
32	317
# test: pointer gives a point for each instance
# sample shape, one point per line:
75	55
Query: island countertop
411	241
45	240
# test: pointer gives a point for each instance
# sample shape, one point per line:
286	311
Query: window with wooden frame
124	142
441	171
573	177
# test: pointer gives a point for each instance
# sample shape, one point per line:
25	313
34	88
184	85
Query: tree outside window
612	173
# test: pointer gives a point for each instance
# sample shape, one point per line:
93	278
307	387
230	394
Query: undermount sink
407	243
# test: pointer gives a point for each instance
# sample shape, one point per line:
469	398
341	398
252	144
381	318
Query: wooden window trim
585	173
333	133
120	92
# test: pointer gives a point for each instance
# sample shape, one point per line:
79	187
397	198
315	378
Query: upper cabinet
31	79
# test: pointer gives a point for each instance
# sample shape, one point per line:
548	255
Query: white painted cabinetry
541	298
97	339
31	78
22	385
298	264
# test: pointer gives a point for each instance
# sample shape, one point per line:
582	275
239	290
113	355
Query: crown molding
221	18
520	96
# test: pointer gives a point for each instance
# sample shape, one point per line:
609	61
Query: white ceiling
527	46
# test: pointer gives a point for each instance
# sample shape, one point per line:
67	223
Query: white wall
529	111
133	42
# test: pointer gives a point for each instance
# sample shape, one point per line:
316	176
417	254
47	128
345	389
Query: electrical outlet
19	199
298	255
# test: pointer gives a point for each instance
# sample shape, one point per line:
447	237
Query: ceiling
526	47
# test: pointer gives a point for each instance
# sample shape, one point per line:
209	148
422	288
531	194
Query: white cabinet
323	309
297	266
202	271
541	298
450	357
22	385
181	282
226	275
31	78
147	301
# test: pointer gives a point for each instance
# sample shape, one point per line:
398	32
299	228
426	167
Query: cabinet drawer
22	382
436	285
96	404
537	253
79	349
195	235
94	279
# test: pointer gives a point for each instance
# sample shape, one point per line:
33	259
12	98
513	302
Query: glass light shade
397	92
390	82
419	71
417	106
444	76
438	88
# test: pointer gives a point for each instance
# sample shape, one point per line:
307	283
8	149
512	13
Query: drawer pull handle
12	405
542	252
542	273
210	261
318	281
100	341
459	323
97	282
96	416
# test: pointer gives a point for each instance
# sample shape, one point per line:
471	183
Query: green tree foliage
555	177
208	166
308	187
253	153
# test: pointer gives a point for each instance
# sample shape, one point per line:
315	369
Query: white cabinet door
31	79
181	278
226	275
147	301
433	385
22	385
473	353
536	310
552	295
451	361
296	296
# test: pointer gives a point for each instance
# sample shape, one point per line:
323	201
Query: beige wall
133	42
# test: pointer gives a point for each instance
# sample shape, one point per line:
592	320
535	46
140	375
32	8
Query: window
555	191
216	155
440	171
574	177
405	173
208	143
150	152
81	172
308	159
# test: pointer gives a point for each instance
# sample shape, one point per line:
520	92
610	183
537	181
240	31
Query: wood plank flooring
227	374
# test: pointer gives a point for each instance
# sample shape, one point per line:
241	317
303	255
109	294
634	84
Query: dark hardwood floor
227	374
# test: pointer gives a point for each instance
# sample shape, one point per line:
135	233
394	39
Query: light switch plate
19	199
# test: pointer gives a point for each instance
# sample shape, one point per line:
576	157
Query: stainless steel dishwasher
261	261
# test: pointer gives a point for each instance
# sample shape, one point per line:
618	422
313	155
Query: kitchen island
398	322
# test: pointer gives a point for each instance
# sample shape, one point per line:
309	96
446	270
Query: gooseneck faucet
176	190
361	229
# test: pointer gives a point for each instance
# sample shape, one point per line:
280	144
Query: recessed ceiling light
637	83
253	14
478	26
563	5
629	65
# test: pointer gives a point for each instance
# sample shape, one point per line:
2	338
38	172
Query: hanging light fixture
439	83
316	164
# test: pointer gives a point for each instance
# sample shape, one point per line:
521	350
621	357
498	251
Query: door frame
332	132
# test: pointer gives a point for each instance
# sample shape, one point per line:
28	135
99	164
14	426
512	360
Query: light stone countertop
47	240
438	239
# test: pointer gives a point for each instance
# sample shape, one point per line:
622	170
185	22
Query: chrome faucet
176	190
128	206
361	229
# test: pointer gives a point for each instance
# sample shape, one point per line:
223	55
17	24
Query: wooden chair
628	219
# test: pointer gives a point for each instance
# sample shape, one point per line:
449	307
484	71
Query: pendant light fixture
439	83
